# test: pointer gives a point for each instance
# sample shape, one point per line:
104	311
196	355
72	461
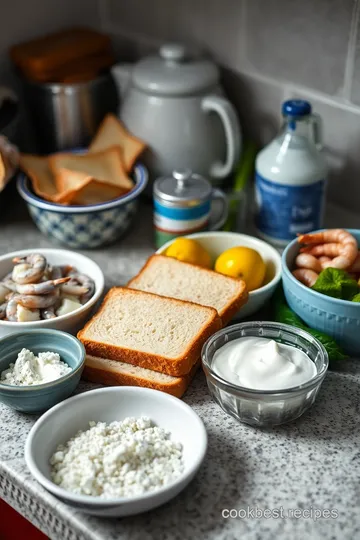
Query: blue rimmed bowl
84	227
337	318
38	398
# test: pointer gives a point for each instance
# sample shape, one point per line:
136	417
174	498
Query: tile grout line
103	8
351	52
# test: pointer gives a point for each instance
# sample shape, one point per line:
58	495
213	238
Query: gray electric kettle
174	102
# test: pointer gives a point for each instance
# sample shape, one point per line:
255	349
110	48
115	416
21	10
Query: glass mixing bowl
265	407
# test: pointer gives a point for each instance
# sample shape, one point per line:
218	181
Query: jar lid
182	186
174	72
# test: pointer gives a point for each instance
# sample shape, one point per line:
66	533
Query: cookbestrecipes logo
255	512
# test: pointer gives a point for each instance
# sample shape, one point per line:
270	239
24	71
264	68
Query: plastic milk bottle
290	177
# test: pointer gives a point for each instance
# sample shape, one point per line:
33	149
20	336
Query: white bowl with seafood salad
47	288
138	448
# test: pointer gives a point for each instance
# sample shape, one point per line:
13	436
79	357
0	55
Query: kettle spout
122	75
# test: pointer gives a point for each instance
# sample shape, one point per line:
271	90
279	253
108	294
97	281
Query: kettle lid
182	187
174	72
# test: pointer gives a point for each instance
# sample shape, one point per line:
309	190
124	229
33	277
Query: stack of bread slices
151	332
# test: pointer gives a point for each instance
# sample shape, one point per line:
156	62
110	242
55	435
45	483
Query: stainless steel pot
9	114
66	116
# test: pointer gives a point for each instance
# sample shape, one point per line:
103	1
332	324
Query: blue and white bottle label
282	211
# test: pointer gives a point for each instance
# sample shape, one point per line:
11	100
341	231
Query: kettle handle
229	119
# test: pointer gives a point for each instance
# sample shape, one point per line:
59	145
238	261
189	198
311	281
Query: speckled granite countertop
308	466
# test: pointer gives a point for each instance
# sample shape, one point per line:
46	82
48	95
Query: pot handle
220	195
229	119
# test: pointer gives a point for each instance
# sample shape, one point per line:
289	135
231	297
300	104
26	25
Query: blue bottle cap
296	107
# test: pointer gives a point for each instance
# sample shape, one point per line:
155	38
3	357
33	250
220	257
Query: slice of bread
150	331
112	133
167	276
79	188
53	51
104	166
2	172
115	373
38	170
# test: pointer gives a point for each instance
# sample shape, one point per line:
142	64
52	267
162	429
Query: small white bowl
68	323
217	242
63	421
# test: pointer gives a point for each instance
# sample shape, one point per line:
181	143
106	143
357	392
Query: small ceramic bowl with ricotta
39	368
135	469
264	373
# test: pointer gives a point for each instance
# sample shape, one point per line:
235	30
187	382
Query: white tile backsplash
270	49
303	42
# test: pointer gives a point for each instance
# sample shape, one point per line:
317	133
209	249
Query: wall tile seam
351	53
103	9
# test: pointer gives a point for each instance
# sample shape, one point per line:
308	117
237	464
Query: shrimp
74	289
48	313
3	310
80	285
44	287
305	276
61	271
304	260
10	285
4	291
29	269
36	301
324	258
355	267
11	309
336	243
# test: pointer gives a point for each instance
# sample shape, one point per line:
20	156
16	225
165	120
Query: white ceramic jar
175	103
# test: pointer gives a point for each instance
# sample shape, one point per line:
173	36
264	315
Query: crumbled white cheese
30	369
120	459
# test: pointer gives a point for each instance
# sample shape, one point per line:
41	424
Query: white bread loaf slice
167	276
115	373
106	166
150	331
112	133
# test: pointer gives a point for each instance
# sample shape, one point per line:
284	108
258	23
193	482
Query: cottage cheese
30	369
120	459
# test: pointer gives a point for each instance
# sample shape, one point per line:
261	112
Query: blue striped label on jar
181	220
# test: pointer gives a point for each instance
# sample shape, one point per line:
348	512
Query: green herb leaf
334	350
283	314
356	298
336	283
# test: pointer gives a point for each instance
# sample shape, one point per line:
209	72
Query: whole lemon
190	251
242	262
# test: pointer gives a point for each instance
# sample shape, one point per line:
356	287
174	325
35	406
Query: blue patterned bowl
39	398
337	318
84	227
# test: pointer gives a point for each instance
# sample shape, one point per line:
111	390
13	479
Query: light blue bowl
84	227
337	318
39	398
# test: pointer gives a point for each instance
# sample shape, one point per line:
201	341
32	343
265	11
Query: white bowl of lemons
236	255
